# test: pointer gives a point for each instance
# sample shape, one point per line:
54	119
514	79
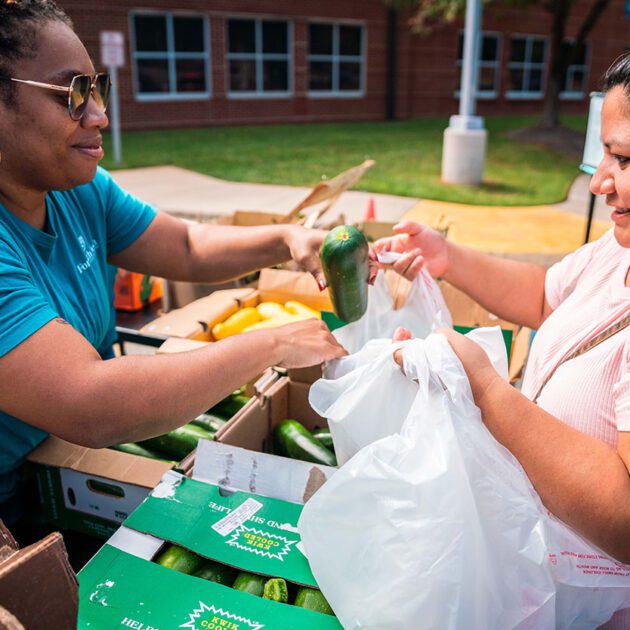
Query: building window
170	55
259	57
573	84
336	59
527	67
488	65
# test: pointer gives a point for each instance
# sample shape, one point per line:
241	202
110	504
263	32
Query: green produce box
120	586
94	490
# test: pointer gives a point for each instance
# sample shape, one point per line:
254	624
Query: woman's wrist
287	237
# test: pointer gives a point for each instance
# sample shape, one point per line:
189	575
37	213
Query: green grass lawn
407	155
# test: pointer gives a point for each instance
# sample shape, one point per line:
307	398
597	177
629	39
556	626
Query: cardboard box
195	320
319	200
247	531
37	586
284	399
91	490
94	490
234	468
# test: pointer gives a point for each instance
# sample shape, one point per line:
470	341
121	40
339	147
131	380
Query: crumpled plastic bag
424	310
436	525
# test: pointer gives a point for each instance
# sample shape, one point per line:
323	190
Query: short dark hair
18	22
618	74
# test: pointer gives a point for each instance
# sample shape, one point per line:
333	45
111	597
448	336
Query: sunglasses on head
81	88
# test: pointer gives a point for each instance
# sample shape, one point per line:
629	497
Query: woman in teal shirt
62	222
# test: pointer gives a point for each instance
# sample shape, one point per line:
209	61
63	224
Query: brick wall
426	77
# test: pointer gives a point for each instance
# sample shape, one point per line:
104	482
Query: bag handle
595	341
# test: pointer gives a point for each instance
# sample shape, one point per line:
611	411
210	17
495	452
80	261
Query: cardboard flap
6	538
107	463
520	350
117	586
272	476
39	587
253	217
332	188
245	530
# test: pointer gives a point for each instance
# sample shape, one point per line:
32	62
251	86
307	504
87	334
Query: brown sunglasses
81	88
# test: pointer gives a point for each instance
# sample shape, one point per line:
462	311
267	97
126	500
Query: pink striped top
587	293
592	392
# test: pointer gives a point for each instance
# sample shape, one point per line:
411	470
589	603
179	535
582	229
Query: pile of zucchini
177	444
274	589
293	439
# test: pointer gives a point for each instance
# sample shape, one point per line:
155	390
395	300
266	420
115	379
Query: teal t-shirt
61	272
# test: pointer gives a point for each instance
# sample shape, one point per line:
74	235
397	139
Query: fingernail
321	284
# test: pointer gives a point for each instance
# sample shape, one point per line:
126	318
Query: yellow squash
271	310
297	308
236	323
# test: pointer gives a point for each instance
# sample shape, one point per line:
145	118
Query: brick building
195	63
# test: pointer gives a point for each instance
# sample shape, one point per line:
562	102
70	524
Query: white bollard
463	155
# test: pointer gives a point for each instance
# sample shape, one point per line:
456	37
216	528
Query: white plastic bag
424	309
436	525
365	396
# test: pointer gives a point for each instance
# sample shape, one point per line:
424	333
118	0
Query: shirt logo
89	253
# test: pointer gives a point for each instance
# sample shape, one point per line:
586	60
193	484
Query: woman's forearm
158	392
565	466
510	289
219	253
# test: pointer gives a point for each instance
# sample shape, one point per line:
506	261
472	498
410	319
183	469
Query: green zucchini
312	599
292	439
230	405
179	442
325	437
209	422
215	572
345	263
180	559
135	449
276	590
250	583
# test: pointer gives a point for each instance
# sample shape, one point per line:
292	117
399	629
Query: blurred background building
195	63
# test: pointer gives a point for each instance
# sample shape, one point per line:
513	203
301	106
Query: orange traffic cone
370	213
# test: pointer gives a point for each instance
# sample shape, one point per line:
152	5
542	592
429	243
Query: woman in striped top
574	440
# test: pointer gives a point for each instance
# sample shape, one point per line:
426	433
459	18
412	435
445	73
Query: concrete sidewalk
541	233
185	193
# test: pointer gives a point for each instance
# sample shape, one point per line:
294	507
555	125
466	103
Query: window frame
335	58
522	95
569	95
259	57
171	56
485	95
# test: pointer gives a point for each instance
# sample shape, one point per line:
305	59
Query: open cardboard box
94	490
195	320
243	530
283	399
319	200
38	588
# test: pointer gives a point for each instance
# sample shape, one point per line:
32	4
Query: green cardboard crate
120	586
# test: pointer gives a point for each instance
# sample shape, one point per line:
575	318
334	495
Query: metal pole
589	221
115	116
469	67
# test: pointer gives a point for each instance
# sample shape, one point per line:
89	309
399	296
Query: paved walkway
542	233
